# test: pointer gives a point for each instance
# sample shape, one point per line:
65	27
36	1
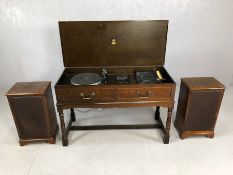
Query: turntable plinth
138	46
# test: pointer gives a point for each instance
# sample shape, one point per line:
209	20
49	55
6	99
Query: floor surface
120	152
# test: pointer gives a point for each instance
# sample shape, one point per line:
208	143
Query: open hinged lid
113	43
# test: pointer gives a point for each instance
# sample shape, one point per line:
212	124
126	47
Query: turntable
86	79
111	64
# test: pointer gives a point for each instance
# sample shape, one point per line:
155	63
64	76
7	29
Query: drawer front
86	94
150	93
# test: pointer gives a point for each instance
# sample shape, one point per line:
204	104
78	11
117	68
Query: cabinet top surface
113	43
28	88
198	83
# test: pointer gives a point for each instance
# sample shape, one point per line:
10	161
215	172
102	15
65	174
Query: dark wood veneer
198	106
33	110
138	43
88	47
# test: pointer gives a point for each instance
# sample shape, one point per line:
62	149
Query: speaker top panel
199	83
29	88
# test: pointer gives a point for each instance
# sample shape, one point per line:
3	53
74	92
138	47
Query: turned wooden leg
157	112
63	127
72	114
168	124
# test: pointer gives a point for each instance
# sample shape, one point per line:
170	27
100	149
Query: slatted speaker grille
202	109
30	116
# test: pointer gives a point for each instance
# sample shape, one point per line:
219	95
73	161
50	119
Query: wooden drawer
85	94
149	93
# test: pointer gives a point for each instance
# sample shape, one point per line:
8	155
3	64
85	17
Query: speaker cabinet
198	106
33	110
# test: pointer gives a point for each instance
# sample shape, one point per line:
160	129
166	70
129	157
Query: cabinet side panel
52	112
182	105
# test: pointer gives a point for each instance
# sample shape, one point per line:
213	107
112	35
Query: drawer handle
92	94
145	95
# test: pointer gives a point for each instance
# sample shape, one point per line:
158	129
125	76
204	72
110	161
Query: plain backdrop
200	36
200	43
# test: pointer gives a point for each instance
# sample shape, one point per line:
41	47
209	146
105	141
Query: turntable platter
86	79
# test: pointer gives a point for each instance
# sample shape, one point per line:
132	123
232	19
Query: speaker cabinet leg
22	143
183	136
51	141
157	113
167	129
63	127
72	114
210	136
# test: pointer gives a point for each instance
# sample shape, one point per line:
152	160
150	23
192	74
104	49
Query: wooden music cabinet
198	106
121	48
33	111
